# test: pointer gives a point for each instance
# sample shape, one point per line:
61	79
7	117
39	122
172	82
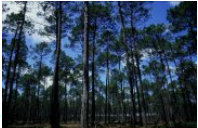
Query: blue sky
159	12
158	15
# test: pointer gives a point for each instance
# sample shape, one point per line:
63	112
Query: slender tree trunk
134	106
184	94
85	96
65	113
7	113
106	99
15	95
107	113
142	99
142	107
43	117
181	83
173	100
121	90
9	67
160	51
27	104
55	115
129	73
134	81
138	100
93	76
108	104
66	104
162	108
134	70
38	91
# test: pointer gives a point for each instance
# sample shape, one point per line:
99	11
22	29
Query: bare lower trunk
15	95
93	77
122	98
127	50
55	115
141	101
38	91
85	96
65	112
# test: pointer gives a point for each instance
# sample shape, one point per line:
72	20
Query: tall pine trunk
38	92
142	107
127	50
93	76
55	115
65	110
181	83
134	81
160	97
9	67
7	106
106	99
85	95
15	94
108	104
174	99
121	90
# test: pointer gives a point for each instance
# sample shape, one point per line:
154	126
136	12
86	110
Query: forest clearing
99	64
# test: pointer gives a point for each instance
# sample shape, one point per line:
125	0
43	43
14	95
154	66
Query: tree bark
162	108
127	50
15	94
9	67
106	99
7	115
85	96
55	115
142	107
121	90
93	75
38	91
65	113
108	104
181	83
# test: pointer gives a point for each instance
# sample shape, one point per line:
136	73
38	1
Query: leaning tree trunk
55	115
9	67
7	115
85	95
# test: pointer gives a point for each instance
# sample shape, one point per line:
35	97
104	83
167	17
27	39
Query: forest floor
77	125
68	125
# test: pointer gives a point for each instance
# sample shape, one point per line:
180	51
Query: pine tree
85	95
